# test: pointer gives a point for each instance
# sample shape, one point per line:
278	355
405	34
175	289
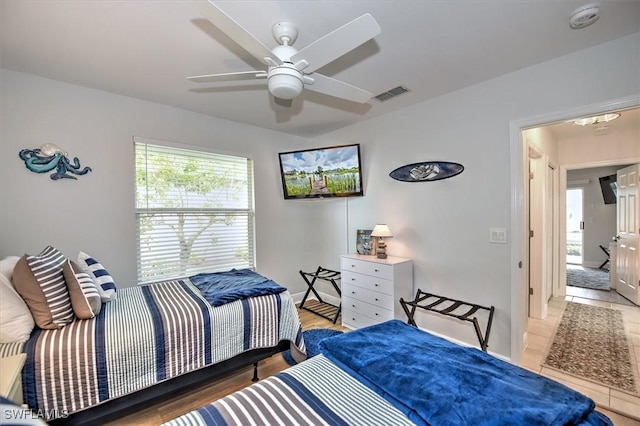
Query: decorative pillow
7	265
16	322
104	282
40	281
85	299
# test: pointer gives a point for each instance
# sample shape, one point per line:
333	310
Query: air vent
391	93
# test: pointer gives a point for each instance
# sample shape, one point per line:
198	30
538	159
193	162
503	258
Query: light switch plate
498	235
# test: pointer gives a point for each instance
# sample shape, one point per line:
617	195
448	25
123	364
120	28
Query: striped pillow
85	299
105	284
40	281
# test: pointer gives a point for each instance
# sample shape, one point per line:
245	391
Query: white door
536	260
628	255
549	231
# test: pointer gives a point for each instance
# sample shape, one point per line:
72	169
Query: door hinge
582	225
531	233
530	175
530	291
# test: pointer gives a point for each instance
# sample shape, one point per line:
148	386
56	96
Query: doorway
520	210
574	226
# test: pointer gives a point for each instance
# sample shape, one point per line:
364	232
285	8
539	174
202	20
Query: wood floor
196	398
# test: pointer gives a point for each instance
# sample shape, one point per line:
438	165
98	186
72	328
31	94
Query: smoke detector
584	16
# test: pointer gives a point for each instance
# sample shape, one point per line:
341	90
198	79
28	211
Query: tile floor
609	401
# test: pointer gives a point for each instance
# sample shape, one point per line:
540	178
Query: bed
395	374
153	340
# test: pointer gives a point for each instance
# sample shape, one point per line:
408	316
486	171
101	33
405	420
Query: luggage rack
323	309
425	301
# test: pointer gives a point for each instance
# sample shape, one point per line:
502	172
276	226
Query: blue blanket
436	382
225	287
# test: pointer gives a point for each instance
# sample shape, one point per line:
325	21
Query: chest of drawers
372	288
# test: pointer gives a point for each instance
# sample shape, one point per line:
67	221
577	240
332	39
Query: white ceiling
628	123
145	49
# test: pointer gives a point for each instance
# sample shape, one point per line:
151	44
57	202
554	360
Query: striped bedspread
315	392
147	335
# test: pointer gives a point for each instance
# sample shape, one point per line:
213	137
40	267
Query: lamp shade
381	231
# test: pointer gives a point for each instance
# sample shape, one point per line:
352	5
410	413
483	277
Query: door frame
519	210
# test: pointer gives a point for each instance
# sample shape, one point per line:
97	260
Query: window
194	212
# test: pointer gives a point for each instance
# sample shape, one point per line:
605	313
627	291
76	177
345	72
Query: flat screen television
609	189
334	171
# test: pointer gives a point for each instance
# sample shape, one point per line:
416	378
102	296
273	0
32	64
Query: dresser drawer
373	269
353	319
368	282
364	294
376	313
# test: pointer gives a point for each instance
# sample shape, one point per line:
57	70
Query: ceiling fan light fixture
285	83
596	119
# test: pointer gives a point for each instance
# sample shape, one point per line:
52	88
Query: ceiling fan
289	70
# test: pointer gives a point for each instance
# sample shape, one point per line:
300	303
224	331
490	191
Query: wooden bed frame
128	404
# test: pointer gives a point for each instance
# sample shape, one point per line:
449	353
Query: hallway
540	335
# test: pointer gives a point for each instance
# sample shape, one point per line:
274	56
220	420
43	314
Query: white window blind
194	212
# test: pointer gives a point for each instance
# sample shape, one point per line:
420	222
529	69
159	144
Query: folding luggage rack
323	309
425	301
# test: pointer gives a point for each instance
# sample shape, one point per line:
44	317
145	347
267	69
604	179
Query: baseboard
594	265
469	345
333	300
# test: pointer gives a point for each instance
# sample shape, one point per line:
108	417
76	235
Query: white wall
574	151
95	213
443	226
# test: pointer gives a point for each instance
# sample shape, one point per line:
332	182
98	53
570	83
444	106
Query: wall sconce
380	232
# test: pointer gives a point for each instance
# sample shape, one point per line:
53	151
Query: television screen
609	189
322	172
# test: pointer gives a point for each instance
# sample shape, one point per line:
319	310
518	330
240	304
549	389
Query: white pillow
104	282
16	322
7	265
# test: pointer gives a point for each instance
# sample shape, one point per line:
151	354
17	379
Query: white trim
518	249
578	182
297	298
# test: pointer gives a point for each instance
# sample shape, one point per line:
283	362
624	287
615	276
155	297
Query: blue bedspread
436	382
225	287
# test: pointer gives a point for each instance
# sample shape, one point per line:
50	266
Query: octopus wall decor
49	157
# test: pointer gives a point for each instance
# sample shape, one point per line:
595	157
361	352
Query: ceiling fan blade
338	42
230	76
236	31
338	89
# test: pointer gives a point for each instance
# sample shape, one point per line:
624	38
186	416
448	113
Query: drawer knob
353	319
376	270
353	292
353	306
353	279
353	266
377	285
377	300
376	314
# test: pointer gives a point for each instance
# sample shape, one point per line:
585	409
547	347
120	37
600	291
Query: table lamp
380	232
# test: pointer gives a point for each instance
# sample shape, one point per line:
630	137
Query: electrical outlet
498	235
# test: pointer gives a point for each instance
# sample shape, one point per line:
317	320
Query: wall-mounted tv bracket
323	309
446	306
